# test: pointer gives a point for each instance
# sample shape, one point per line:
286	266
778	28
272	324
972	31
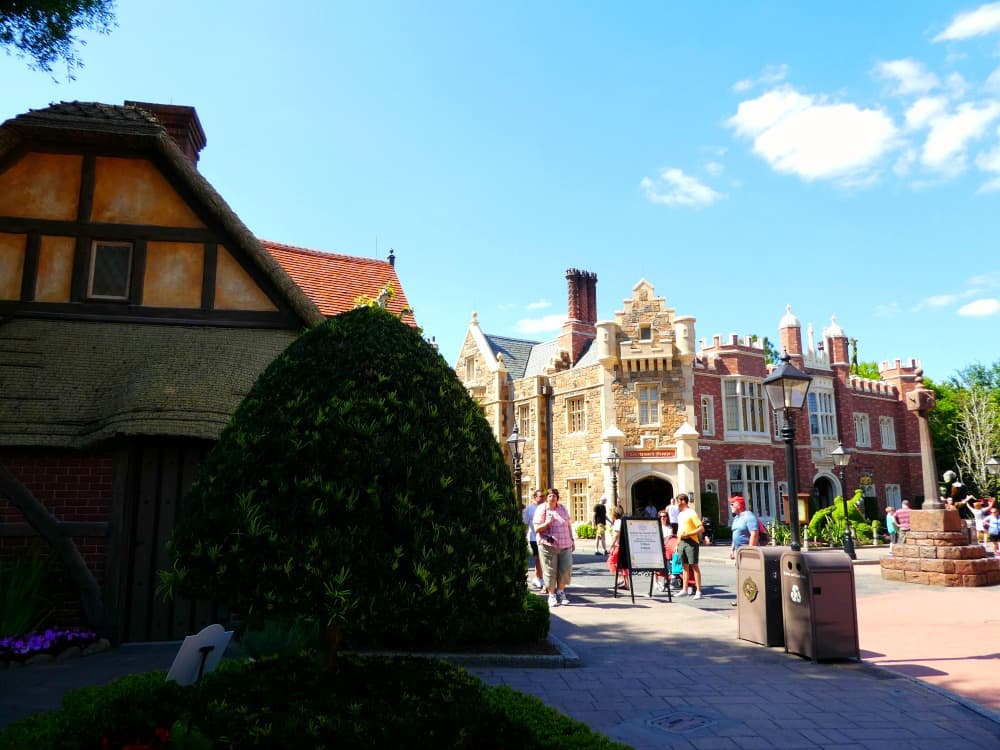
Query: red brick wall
73	486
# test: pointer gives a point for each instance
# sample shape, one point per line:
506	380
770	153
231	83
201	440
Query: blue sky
841	158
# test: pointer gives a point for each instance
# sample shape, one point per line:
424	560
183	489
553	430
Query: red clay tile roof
333	282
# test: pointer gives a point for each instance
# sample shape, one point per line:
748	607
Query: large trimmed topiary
359	484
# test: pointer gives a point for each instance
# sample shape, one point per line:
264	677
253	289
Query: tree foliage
44	31
358	484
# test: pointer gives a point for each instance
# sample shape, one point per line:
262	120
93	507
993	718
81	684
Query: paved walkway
674	675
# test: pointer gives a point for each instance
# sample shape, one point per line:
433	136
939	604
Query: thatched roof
74	383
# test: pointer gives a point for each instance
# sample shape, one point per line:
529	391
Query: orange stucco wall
173	274
132	191
55	269
12	248
42	186
234	289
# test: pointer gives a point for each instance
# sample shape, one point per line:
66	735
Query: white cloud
956	85
949	136
983	20
771	75
980	308
540	325
938	300
993	82
713	168
674	188
910	76
539	304
988	280
886	310
798	134
989	161
922	111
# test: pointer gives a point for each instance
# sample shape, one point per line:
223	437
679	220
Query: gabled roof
334	282
80	124
515	353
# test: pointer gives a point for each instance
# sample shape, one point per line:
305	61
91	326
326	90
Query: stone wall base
937	553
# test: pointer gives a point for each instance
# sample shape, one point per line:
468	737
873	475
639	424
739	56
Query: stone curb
566	658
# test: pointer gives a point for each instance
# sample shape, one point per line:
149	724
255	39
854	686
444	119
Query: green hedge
290	702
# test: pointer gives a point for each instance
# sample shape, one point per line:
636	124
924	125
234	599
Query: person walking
891	527
555	542
600	521
529	519
993	529
743	524
673	511
903	521
978	509
689	531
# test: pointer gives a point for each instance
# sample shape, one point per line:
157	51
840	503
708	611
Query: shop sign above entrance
650	452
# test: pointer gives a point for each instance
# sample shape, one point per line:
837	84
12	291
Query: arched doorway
824	491
649	490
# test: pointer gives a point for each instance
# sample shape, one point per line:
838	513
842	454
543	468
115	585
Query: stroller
709	527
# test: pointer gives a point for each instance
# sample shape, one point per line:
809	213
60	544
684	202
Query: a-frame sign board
640	547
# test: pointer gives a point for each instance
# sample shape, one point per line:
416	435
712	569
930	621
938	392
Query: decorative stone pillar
937	550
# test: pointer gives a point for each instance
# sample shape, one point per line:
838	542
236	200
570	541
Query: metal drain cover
681	723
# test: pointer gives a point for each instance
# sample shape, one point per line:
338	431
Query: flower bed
51	642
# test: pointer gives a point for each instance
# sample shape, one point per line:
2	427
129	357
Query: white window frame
712	485
887	432
645	333
754	480
647	399
745	409
579	502
95	251
779	499
822	415
708	415
524	420
576	415
862	430
470	369
893	495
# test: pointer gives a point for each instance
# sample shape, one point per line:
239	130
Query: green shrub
291	702
827	524
358	483
585	531
710	507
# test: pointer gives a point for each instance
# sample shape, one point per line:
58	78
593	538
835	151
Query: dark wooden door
159	472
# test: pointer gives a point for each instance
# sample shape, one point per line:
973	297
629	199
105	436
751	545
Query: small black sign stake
640	548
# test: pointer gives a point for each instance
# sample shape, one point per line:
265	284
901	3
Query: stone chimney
181	123
580	327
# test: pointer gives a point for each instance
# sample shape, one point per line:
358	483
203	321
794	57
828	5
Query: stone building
686	417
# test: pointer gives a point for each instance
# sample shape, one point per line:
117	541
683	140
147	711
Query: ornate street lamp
515	444
993	469
841	458
786	389
614	463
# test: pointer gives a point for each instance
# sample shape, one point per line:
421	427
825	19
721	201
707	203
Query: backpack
763	537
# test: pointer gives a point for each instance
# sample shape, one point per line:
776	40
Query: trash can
819	607
758	595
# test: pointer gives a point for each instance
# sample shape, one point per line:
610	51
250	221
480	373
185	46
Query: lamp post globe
614	463
515	444
786	389
841	458
993	469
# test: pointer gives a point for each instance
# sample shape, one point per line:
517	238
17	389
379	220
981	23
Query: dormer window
110	270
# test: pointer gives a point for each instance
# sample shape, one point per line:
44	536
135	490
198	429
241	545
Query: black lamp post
841	458
786	389
515	444
614	463
993	469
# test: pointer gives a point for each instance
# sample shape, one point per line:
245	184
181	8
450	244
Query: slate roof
333	282
515	353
